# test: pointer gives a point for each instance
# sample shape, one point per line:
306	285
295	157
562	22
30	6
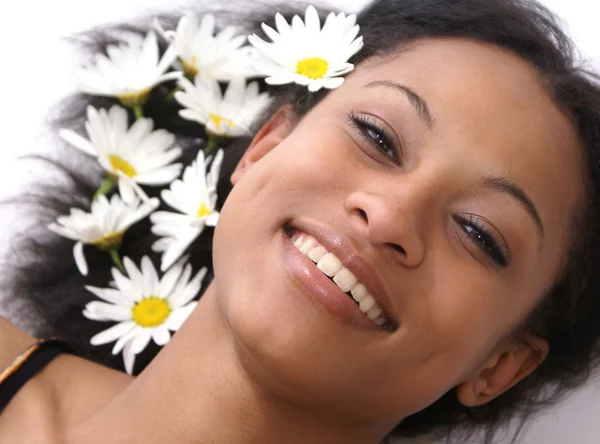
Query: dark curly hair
48	291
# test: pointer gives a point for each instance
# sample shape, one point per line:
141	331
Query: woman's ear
502	370
277	128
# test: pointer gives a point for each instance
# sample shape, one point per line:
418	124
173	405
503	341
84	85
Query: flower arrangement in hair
210	73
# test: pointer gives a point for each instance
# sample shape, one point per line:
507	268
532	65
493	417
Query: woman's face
445	179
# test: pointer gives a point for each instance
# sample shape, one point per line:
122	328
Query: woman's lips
305	274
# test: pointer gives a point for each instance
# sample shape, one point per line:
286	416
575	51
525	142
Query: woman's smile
326	273
404	260
408	231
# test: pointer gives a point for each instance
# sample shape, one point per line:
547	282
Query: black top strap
27	365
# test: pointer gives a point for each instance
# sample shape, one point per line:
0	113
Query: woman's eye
379	140
484	240
375	135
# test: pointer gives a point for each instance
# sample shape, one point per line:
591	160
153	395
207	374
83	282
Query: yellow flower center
151	312
131	99
189	68
122	165
203	211
313	68
218	120
109	241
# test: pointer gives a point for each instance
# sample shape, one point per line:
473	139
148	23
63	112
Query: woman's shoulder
15	426
64	392
13	341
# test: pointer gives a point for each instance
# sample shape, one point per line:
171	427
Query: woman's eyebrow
501	184
415	99
504	185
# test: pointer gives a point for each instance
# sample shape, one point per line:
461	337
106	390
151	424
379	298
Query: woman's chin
293	346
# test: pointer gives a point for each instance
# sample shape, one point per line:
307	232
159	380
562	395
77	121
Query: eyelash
378	137
375	135
484	239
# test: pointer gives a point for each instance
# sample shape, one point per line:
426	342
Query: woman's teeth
331	266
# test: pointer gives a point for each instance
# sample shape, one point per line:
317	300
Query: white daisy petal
162	244
93	316
160	176
161	336
80	258
61	230
128	358
161	31
147	317
137	278
182	281
280	79
333	83
111	295
221	57
313	23
125	286
306	54
229	115
169	280
168	219
212	178
137	155
102	227
113	333
191	290
179	316
194	197
172	230
271	33
77	141
174	252
282	25
150	275
140	213
234	94
211	221
108	312
167	60
129	71
130	186
141	341
316	85
125	339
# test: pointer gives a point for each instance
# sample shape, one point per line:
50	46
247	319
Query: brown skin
68	390
456	307
261	361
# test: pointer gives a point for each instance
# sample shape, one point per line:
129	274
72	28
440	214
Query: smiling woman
405	238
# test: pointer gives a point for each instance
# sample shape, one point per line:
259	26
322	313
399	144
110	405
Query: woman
453	175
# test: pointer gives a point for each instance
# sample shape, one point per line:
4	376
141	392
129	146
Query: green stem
105	188
138	111
114	255
211	145
171	95
308	100
191	76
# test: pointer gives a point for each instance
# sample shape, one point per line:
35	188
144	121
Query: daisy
305	54
130	156
230	114
221	57
129	71
103	227
195	198
145	307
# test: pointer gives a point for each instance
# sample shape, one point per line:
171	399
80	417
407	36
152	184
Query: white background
36	71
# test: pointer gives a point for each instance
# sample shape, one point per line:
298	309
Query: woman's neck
197	391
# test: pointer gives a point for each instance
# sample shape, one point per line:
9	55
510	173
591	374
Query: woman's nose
390	222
